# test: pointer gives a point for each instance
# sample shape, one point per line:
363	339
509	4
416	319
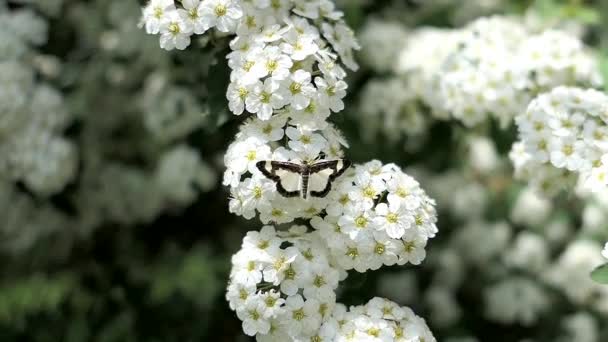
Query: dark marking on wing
333	165
271	174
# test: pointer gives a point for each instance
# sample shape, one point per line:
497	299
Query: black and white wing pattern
322	174
287	176
303	180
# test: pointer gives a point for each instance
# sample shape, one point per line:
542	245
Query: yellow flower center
254	314
243	294
409	246
248	65
295	88
319	281
158	12
279	263
290	273
272	65
243	92
267	129
220	10
257	192
263	244
270	301
373	332
361	222
392	218
379	249
352	252
369	192
331	91
265	97
305	139
298	315
174	28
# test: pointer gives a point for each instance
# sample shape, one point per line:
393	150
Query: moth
303	180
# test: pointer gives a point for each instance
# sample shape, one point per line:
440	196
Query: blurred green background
162	278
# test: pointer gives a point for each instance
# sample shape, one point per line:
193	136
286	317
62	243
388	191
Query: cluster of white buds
563	136
286	63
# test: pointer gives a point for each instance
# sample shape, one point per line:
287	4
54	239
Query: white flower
413	251
269	130
174	33
264	98
191	14
274	63
356	221
332	92
299	45
272	303
393	218
246	269
367	189
279	262
302	316
605	251
343	41
237	93
223	14
305	141
321	282
313	116
155	13
253	319
298	89
264	242
243	155
238	294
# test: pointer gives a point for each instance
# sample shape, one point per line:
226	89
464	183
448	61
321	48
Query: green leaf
600	274
583	14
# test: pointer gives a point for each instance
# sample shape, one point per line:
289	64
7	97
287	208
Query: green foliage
24	298
600	274
192	275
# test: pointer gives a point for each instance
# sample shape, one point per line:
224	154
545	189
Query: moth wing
319	183
323	173
288	183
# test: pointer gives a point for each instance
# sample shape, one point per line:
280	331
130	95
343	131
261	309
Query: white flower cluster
377	216
563	135
516	300
286	69
32	114
378	320
282	286
279	59
492	67
382	42
499	65
570	274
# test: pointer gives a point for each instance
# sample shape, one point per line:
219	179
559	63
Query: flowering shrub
354	139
